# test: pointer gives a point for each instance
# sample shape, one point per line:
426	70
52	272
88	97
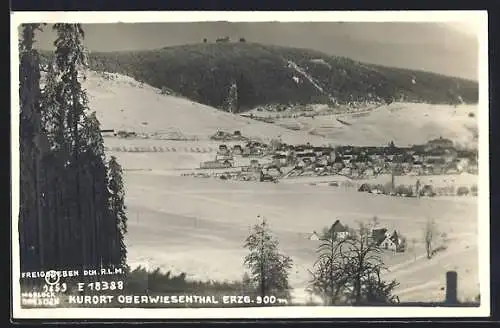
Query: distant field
405	123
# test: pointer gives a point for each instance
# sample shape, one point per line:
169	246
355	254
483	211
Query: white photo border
478	18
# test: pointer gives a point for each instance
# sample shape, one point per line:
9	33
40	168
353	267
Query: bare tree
430	233
348	271
329	278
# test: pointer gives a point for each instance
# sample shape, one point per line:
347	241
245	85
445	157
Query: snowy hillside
122	103
404	123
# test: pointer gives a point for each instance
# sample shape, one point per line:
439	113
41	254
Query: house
254	163
378	189
462	164
391	242
266	177
440	142
273	170
223	150
318	168
313	236
332	156
451	169
369	172
223	157
299	165
323	161
253	151
417	166
308	156
347	158
318	151
338	231
237	150
364	188
417	157
280	159
379	235
345	171
283	151
355	172
337	166
406	167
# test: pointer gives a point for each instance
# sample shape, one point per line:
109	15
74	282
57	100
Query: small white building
391	242
313	236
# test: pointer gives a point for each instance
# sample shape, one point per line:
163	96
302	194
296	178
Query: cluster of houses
438	156
223	159
416	190
382	237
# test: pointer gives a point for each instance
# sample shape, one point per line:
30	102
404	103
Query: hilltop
267	74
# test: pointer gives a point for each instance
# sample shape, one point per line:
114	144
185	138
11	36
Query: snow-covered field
198	226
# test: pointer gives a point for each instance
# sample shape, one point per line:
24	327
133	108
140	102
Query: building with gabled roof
338	231
391	242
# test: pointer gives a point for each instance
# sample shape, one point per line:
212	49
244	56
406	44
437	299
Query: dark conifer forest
71	197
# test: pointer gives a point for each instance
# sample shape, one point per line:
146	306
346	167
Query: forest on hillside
205	73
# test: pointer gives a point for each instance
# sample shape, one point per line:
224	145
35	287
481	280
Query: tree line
72	212
204	72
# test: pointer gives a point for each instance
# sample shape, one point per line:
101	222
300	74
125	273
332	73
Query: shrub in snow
462	191
473	190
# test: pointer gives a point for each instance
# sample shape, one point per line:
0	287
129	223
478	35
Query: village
239	158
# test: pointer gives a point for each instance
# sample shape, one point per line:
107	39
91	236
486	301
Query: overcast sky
450	50
139	36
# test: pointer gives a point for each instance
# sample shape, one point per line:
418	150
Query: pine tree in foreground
269	268
117	205
31	151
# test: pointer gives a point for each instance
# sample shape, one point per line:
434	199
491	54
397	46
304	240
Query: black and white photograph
250	165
